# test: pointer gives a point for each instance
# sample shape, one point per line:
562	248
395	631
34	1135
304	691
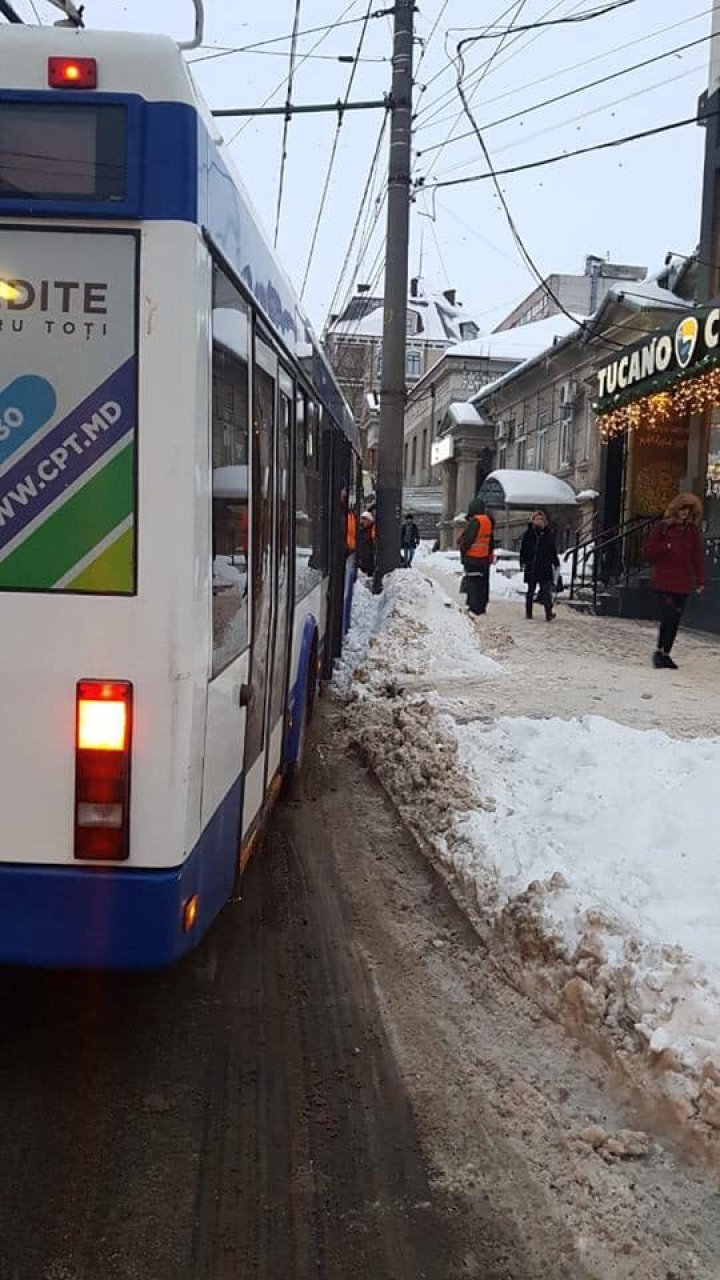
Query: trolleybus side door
277	692
230	442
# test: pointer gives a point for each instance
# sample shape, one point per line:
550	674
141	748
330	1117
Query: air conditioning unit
568	393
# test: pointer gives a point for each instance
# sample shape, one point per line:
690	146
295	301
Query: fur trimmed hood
690	500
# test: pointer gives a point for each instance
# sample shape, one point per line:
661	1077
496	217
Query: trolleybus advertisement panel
67	410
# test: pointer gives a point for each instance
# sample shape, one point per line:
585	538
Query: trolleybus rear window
62	152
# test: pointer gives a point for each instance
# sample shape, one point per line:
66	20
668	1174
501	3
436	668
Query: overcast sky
634	203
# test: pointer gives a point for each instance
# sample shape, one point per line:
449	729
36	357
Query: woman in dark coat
675	549
539	559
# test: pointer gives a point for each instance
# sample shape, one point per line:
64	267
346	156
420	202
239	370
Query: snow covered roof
526	490
519	344
436	319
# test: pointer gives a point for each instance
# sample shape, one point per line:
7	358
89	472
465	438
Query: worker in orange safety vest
476	549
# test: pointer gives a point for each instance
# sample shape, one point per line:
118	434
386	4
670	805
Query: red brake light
72	73
102	769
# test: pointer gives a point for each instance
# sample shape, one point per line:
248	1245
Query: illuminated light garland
660	382
656	411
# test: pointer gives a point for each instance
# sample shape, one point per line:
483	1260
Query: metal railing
612	557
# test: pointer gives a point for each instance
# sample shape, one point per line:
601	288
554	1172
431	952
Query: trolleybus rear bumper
117	917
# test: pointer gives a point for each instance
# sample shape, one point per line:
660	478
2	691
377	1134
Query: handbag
559	584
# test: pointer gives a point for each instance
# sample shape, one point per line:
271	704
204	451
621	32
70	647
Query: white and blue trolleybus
175	466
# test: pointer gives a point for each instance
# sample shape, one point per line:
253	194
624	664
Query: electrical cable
518	6
570	155
428	42
495	176
585	115
286	125
358	219
570	93
259	44
577	66
333	154
587	16
486	69
266	101
444	99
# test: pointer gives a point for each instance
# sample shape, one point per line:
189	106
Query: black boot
658	659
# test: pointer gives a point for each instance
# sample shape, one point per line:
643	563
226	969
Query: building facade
543	412
579	294
354	343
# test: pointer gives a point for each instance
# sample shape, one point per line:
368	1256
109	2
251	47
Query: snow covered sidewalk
583	844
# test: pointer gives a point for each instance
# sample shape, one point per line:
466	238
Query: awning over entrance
526	491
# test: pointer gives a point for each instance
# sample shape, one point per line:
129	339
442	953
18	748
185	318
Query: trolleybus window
310	558
68	152
230	436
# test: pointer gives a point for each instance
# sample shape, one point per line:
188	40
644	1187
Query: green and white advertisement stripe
80	524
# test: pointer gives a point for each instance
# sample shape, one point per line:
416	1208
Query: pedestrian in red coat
676	551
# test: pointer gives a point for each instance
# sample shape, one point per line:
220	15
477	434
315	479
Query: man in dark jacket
476	548
539	559
409	540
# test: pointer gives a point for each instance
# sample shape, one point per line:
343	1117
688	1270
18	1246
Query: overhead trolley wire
333	153
586	16
482	71
327	29
568	155
495	176
361	210
577	66
286	125
570	93
518	6
436	106
303	59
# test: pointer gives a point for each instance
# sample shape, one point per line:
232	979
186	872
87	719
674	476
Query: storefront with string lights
658	411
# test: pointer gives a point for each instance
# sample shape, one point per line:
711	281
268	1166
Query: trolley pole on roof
392	388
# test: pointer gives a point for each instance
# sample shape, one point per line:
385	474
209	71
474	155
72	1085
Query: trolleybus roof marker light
72	73
199	28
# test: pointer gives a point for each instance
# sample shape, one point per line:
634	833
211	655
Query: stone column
448	472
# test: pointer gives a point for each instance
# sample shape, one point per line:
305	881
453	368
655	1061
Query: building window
424	459
541	451
412	364
587	434
413	464
521	454
565	440
502	458
309	506
411	326
468	331
405	464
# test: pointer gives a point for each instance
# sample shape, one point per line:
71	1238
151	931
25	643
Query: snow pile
411	634
615	823
504	585
584	846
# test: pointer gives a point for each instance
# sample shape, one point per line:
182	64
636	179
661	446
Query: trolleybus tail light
102	770
72	73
